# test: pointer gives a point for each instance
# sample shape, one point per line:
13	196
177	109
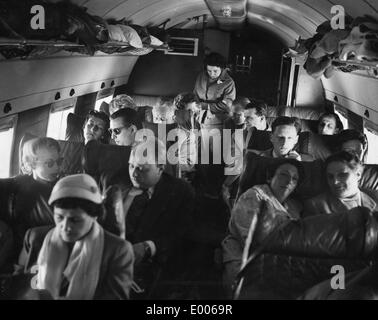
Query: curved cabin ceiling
288	19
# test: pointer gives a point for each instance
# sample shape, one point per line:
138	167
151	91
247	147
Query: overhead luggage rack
370	66
124	48
357	63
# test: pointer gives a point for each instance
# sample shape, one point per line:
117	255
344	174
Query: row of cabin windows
57	129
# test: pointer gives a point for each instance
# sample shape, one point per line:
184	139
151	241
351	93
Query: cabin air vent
183	46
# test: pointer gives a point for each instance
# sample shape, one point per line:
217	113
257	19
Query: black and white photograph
188	155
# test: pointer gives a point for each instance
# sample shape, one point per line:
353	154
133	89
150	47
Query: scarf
83	268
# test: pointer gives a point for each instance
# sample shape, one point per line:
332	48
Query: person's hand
293	155
226	195
139	252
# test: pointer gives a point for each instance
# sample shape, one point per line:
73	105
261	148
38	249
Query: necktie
135	213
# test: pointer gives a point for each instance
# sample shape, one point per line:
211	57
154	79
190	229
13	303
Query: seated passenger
124	124
234	164
163	111
329	124
28	194
343	172
353	141
96	127
265	205
120	102
156	214
77	259
187	108
255	115
237	119
6	246
284	137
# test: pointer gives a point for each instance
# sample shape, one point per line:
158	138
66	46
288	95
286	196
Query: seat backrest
320	147
103	161
71	152
142	100
308	117
301	113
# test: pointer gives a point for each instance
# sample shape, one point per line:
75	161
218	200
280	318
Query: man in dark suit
157	213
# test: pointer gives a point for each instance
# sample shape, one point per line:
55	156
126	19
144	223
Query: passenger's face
73	224
47	164
163	113
188	116
327	126
354	146
94	129
342	180
143	175
238	115
284	139
213	72
121	135
284	181
252	119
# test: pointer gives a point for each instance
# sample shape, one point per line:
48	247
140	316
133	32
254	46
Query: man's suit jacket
116	270
167	217
325	203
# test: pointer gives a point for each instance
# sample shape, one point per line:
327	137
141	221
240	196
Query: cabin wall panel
355	92
158	74
310	92
217	41
32	83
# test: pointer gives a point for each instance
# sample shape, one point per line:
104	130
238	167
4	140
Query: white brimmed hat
81	186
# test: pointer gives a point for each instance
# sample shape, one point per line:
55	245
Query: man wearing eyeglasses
124	124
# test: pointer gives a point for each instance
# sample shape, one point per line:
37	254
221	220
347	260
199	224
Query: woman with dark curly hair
96	126
270	204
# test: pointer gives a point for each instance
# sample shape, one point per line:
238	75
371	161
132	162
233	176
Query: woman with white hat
77	259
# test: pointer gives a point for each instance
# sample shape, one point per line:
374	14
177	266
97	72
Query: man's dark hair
339	124
183	99
104	117
260	107
91	208
100	115
216	60
286	121
349	158
351	134
129	117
